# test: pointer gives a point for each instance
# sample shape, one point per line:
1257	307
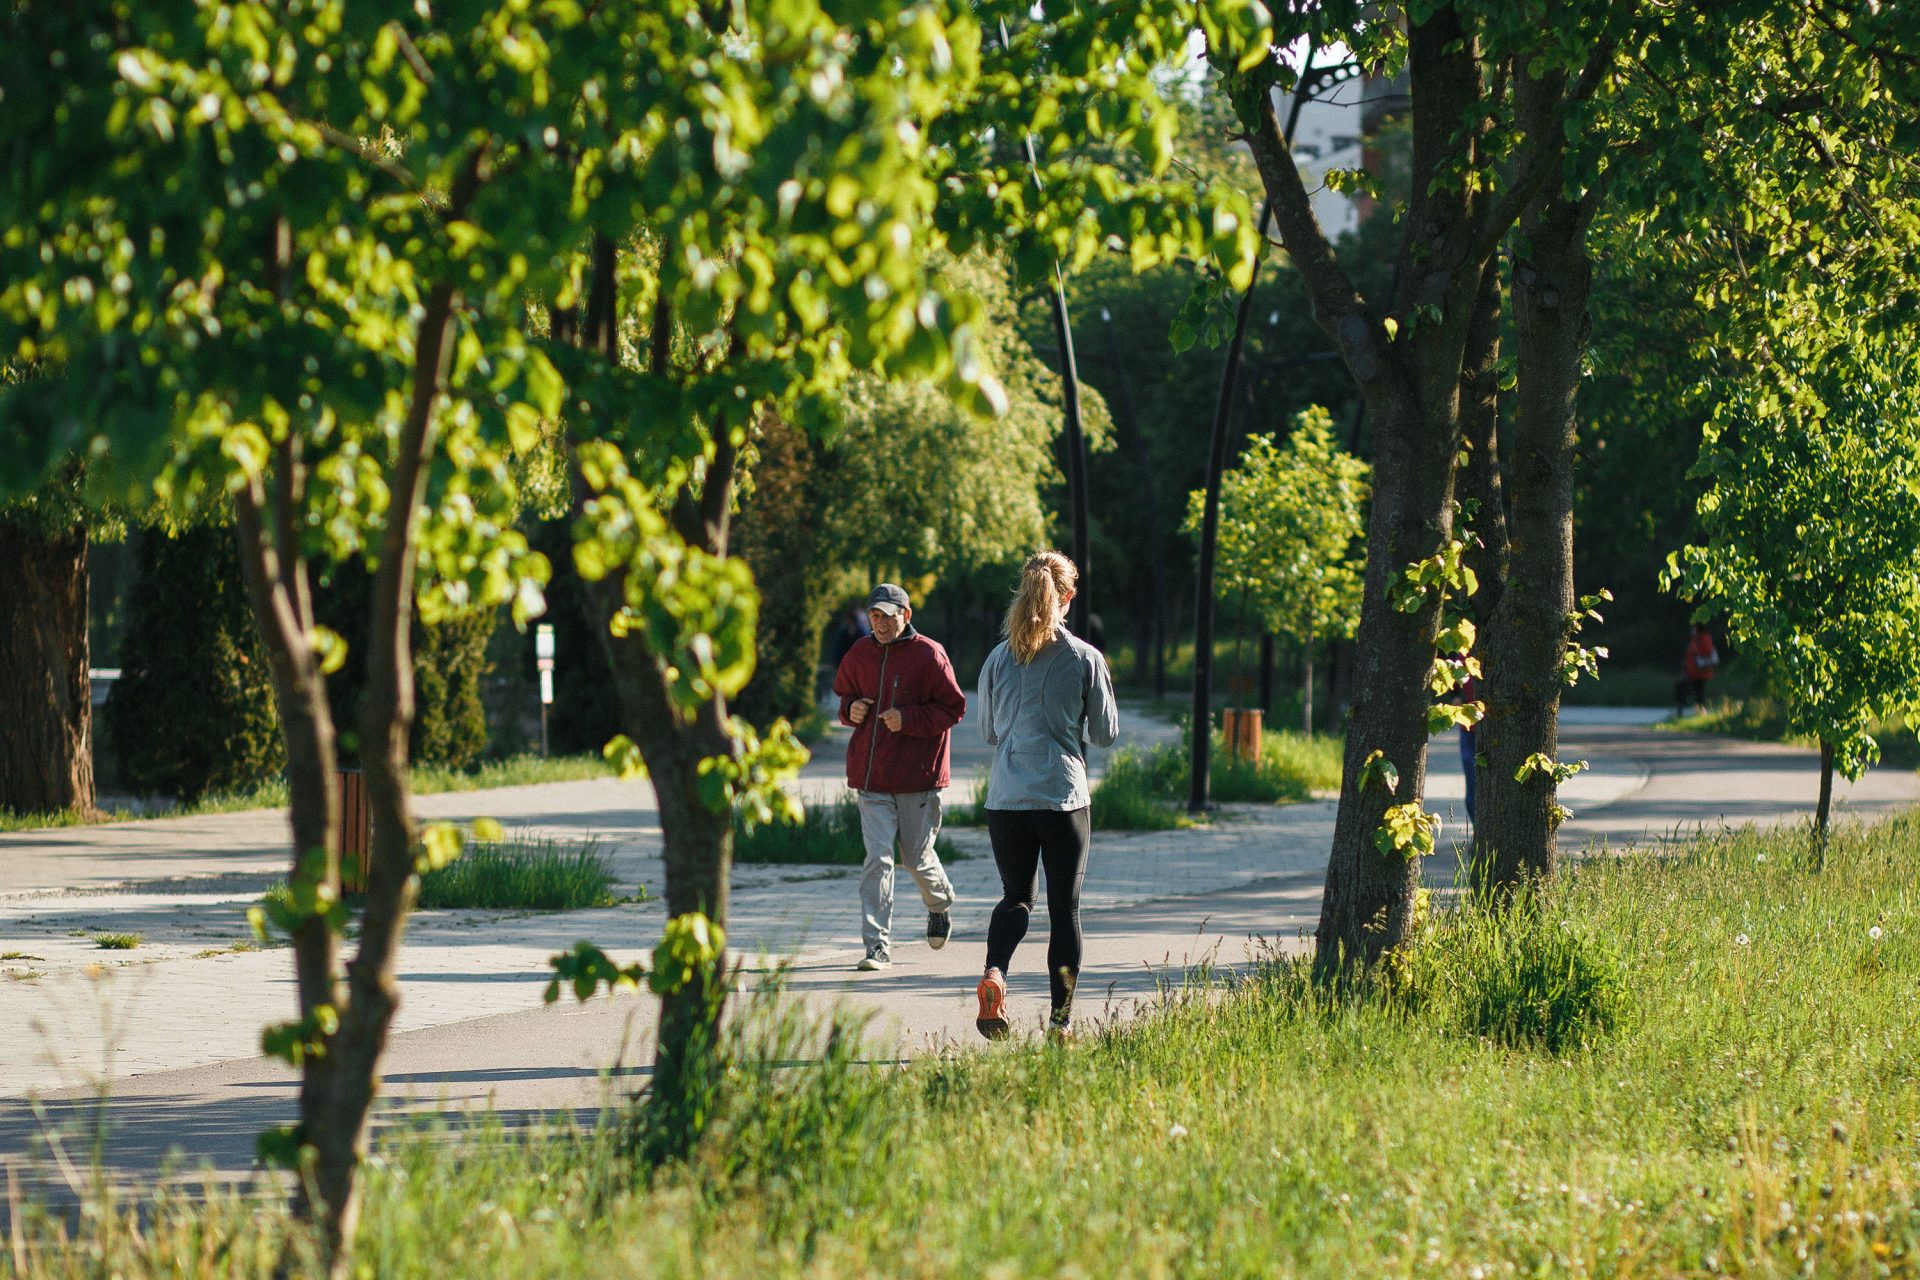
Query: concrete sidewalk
171	1029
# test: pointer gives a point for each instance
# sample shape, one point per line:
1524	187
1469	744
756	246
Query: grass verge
425	780
827	835
1751	1110
1143	789
1761	719
117	941
529	873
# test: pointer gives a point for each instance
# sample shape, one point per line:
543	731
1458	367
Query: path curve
173	1036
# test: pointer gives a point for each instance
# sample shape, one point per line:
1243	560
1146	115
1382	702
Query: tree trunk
1823	811
1306	689
1409	375
698	854
339	1132
1266	675
1480	478
46	702
277	590
1530	626
1368	900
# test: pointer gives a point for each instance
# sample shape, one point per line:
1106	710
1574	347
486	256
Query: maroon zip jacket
913	675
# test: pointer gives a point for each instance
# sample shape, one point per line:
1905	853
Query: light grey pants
907	822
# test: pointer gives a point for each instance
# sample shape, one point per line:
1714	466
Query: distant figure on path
1469	692
1044	695
898	691
1697	666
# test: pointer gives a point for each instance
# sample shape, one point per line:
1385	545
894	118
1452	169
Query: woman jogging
1045	695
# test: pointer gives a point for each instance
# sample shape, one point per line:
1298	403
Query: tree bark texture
1530	625
46	701
1480	479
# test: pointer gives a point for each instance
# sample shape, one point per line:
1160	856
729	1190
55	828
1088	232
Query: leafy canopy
1811	548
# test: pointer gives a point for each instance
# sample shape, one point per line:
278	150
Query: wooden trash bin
356	832
1240	726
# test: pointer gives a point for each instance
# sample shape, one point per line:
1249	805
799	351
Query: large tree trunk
46	705
1530	626
1480	478
1480	483
1368	900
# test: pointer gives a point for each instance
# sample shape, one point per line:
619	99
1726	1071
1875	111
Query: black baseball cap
888	598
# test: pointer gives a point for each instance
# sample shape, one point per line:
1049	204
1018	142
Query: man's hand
858	711
891	719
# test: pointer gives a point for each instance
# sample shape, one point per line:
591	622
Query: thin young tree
1292	516
1810	545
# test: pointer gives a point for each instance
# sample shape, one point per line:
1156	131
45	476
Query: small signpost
543	657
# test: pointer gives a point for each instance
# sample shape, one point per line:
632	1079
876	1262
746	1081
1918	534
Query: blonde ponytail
1045	580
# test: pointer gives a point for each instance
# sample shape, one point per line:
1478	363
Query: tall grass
1752	1112
827	835
526	873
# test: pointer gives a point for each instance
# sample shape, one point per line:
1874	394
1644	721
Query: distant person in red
1697	666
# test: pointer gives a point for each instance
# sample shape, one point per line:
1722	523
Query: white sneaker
876	958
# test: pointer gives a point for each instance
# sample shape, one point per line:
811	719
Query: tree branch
1338	306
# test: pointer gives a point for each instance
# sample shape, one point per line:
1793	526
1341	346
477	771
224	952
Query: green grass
117	941
1749	1107
1763	720
1143	790
829	835
970	812
425	780
513	771
526	874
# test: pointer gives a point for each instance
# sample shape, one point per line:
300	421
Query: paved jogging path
171	1030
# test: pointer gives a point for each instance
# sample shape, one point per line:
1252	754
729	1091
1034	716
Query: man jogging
897	690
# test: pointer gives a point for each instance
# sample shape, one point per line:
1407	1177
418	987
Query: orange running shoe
993	1006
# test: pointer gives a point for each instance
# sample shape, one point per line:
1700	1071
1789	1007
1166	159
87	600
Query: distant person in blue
1469	692
1044	696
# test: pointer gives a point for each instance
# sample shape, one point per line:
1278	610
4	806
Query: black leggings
1025	840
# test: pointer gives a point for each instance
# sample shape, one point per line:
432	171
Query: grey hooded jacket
1040	718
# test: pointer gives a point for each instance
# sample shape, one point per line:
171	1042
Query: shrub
1516	971
449	662
827	835
193	710
776	533
527	874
